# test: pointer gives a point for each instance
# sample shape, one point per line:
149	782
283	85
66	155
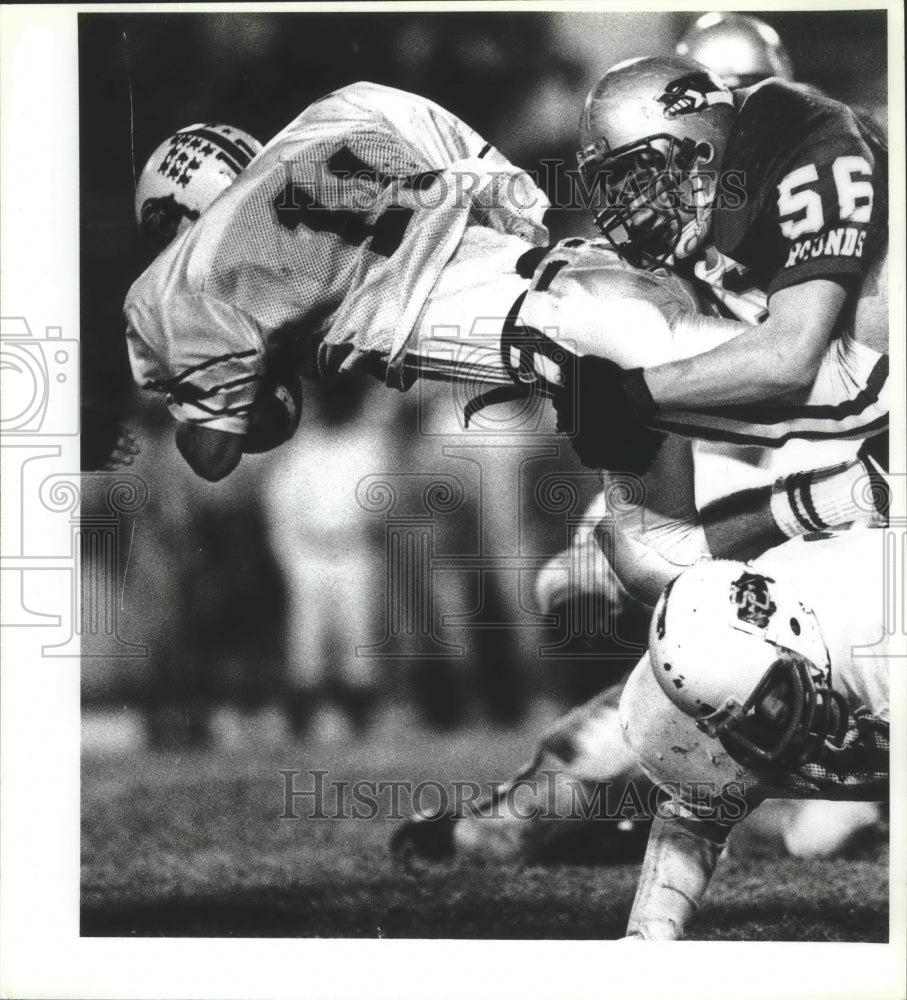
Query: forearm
746	524
648	546
678	866
778	358
741	526
752	366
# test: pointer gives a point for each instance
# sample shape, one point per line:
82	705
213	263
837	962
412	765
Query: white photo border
42	953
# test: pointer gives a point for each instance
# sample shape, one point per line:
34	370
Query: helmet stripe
240	156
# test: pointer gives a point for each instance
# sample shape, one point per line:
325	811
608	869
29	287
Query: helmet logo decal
189	147
179	164
754	604
162	216
691	93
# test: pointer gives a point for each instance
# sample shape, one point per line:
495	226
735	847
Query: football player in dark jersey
737	292
773	189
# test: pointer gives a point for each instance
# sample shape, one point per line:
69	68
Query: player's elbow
795	336
791	358
211	454
787	374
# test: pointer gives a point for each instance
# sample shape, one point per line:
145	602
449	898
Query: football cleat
426	838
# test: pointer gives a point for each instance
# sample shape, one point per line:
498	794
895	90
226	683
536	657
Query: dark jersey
804	188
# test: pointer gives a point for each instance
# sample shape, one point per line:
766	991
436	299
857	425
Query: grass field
191	845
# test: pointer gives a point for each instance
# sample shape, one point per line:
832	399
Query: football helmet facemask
185	174
653	134
742	50
738	652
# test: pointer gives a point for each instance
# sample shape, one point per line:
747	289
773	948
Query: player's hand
124	451
605	408
106	444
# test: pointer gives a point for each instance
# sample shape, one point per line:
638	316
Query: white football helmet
653	135
185	174
741	654
742	50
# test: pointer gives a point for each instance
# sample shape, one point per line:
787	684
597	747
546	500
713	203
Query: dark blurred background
252	596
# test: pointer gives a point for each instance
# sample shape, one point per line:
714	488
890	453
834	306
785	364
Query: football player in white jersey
763	680
622	558
319	257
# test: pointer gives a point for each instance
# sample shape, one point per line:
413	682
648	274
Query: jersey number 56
800	203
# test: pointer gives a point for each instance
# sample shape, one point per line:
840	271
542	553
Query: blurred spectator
476	609
202	593
330	553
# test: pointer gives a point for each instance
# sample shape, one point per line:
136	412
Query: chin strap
521	347
492	397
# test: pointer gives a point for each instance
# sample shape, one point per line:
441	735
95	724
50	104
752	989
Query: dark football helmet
653	134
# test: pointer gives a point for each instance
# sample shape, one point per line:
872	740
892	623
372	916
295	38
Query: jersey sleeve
820	207
206	357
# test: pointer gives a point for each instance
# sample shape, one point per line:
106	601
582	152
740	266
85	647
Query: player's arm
747	523
646	550
240	398
681	857
777	358
818	222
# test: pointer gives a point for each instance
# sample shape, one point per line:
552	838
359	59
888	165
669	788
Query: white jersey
842	578
336	233
586	298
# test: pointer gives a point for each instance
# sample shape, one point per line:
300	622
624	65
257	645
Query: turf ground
191	845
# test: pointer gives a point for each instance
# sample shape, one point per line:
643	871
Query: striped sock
825	498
